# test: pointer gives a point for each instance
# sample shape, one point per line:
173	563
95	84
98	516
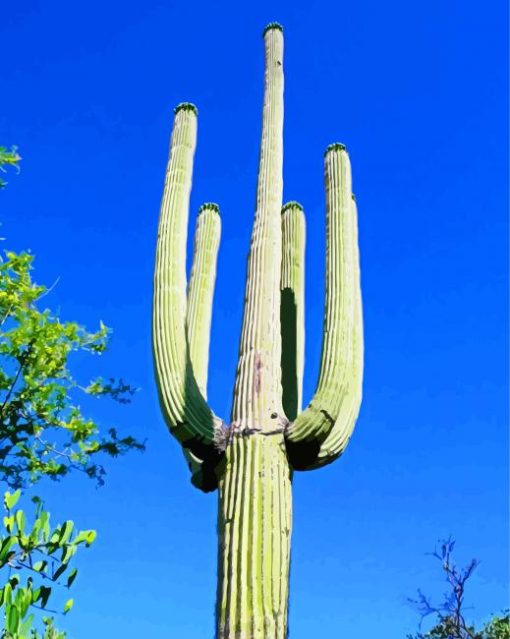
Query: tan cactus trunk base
254	528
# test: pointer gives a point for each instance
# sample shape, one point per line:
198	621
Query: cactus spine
251	459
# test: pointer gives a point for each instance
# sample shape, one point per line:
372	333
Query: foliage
450	622
8	158
45	553
43	431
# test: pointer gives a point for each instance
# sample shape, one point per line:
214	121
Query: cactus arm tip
336	146
272	25
186	106
292	205
209	206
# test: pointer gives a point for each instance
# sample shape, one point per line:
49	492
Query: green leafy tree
449	614
43	433
37	558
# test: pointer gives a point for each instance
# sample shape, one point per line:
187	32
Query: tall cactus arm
201	290
292	316
334	407
337	440
186	412
257	394
198	323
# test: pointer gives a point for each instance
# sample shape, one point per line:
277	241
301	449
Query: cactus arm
337	440
292	307
334	407
257	394
198	322
186	412
201	290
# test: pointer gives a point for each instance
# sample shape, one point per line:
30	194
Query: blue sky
418	93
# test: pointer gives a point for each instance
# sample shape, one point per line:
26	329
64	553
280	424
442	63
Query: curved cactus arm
292	315
337	440
186	412
198	322
334	407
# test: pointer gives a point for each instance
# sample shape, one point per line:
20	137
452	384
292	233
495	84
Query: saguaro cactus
251	458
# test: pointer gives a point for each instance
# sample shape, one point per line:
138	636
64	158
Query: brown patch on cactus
258	368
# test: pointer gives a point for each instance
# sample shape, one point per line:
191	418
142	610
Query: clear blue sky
417	91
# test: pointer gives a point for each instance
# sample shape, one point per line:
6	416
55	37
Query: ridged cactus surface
251	457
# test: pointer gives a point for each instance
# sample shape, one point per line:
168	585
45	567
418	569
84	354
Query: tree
43	433
252	459
449	615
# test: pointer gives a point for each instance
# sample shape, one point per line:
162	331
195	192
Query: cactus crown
336	146
272	25
209	206
291	205
186	106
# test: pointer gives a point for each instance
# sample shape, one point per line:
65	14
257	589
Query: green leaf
26	625
7	542
12	619
40	566
87	536
14	581
10	500
65	533
20	521
68	605
7	592
71	577
24	601
59	571
67	553
9	523
45	595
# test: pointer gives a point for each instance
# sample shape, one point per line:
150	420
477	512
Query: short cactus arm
198	322
186	412
320	434
201	290
292	316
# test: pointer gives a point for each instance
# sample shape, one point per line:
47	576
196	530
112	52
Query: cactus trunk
255	498
254	526
251	460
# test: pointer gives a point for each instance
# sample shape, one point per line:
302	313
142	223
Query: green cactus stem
186	412
251	460
292	307
334	407
201	290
